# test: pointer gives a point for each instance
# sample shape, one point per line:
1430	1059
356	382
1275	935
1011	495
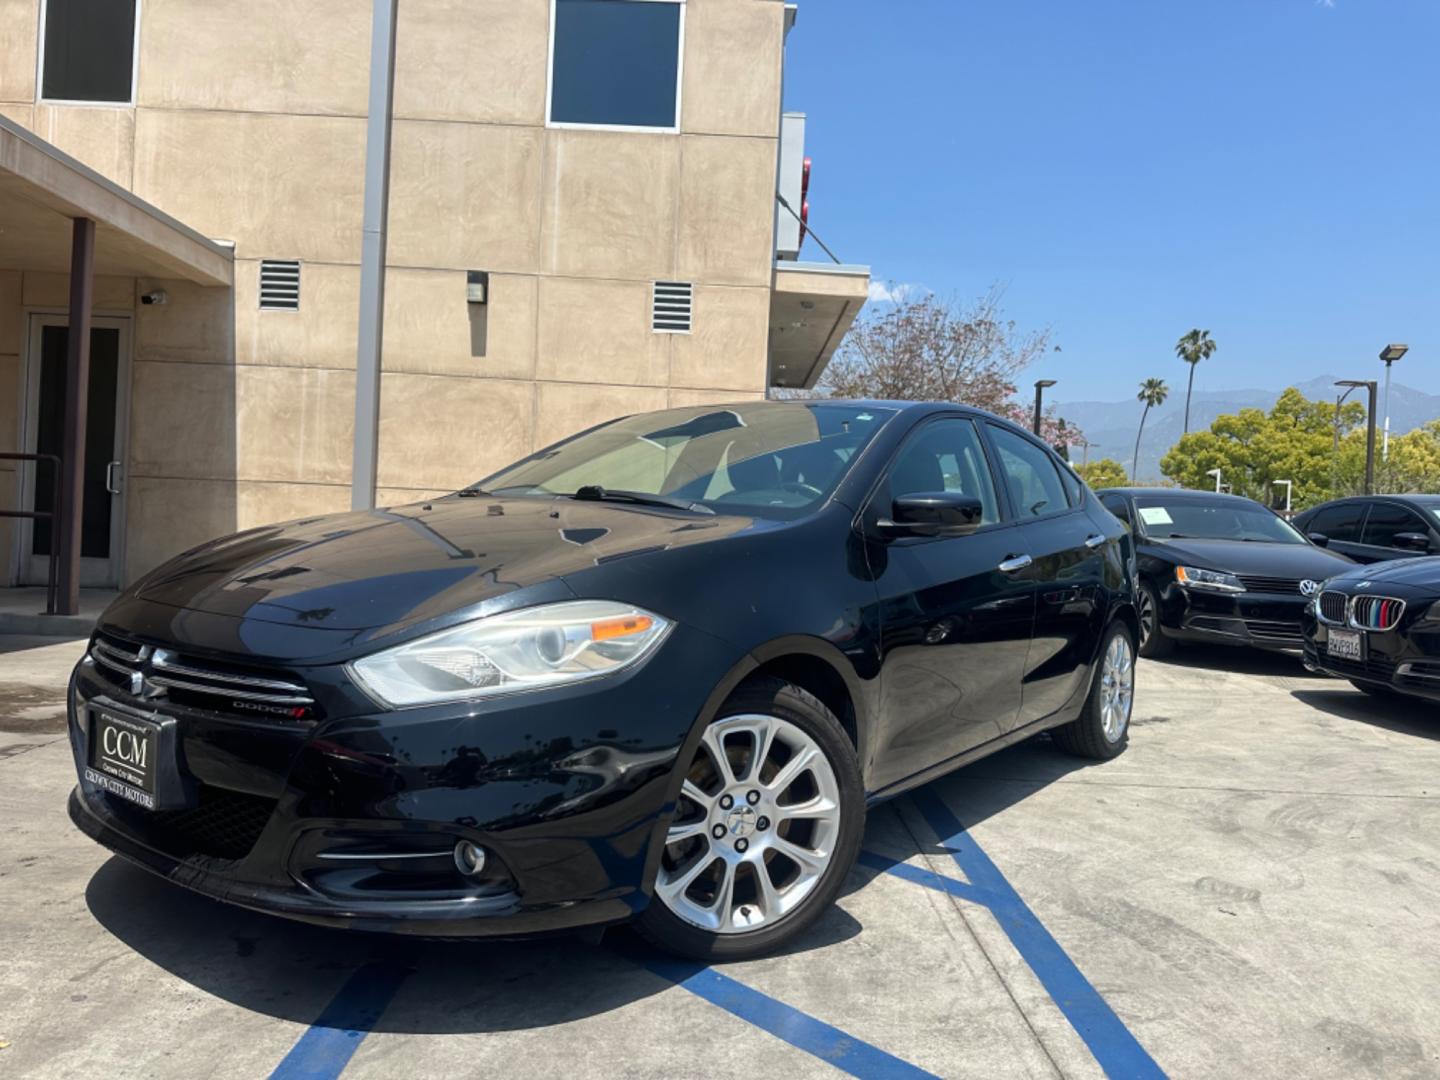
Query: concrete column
65	531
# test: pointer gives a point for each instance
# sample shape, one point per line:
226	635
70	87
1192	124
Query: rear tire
786	843
1153	642
1102	730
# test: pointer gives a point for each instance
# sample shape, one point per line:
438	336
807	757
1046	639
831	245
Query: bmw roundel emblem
1308	587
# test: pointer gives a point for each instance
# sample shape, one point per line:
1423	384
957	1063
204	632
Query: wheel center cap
741	821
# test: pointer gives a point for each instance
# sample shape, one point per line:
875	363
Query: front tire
1153	642
767	826
1103	728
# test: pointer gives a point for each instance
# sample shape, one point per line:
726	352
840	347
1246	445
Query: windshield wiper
474	493
596	493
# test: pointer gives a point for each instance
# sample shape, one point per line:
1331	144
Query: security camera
159	296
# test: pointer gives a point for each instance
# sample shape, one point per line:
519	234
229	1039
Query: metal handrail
52	516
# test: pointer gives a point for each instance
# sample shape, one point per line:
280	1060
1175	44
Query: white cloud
1325	3
893	292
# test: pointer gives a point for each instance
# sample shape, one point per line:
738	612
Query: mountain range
1110	426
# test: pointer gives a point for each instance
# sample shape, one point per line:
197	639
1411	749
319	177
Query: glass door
102	521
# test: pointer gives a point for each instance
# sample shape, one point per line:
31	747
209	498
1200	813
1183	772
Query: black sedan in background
1375	528
654	672
1379	627
1218	568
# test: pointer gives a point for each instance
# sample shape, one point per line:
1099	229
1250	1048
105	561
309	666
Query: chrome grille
150	672
1376	612
1332	606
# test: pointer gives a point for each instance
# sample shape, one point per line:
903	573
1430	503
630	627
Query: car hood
1421	575
1255	558
390	569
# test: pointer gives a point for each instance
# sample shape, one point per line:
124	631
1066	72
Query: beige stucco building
518	150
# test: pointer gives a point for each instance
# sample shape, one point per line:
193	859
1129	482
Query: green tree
1107	472
1152	392
1414	464
1252	448
1195	346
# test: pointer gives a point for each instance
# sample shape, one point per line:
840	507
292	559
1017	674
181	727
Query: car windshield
1212	519
767	459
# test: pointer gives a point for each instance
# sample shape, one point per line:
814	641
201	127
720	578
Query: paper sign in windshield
1155	515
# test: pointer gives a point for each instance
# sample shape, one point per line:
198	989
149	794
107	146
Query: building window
616	63
87	50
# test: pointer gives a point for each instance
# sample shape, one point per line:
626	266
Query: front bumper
352	821
1257	619
1407	664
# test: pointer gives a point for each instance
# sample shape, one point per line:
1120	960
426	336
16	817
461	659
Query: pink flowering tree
928	349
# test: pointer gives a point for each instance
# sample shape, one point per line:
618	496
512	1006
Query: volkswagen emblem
1308	587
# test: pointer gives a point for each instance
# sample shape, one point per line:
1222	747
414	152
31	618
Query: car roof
1179	493
1414	498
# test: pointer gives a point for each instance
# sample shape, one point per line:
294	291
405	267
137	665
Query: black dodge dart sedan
1379	627
654	672
1217	568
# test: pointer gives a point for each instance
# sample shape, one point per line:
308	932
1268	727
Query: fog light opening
469	858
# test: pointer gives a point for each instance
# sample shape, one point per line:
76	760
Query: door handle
1014	563
1094	541
110	485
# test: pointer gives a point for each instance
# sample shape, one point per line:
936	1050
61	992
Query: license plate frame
124	756
1346	645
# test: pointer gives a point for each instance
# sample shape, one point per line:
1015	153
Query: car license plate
122	756
1346	645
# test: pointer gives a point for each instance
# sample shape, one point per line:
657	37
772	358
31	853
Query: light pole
1040	385
1289	488
1085	452
1389	354
1216	474
1372	386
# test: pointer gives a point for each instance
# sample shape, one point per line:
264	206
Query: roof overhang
42	191
811	308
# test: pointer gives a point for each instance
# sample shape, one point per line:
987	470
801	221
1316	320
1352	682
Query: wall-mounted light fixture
477	286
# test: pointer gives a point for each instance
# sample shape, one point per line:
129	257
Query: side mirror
1319	539
1411	541
934	513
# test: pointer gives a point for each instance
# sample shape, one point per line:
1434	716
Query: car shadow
1241	661
1407	716
292	971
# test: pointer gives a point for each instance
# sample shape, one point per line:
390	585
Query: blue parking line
328	1045
921	876
1118	1052
831	1045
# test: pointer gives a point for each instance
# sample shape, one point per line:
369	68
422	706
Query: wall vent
280	284
670	307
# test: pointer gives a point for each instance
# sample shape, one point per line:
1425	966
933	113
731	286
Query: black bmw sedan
1379	627
654	672
1218	568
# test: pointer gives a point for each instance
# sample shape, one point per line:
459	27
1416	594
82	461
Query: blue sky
1128	169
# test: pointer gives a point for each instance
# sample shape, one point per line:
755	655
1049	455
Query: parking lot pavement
1248	891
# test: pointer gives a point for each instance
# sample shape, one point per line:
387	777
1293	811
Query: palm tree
1192	348
1152	392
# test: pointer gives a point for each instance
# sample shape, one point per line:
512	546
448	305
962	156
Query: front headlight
520	650
1192	577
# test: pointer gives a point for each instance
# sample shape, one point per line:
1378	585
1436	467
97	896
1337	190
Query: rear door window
1031	475
1118	506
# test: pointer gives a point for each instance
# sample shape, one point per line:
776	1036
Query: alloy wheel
1117	687
755	829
